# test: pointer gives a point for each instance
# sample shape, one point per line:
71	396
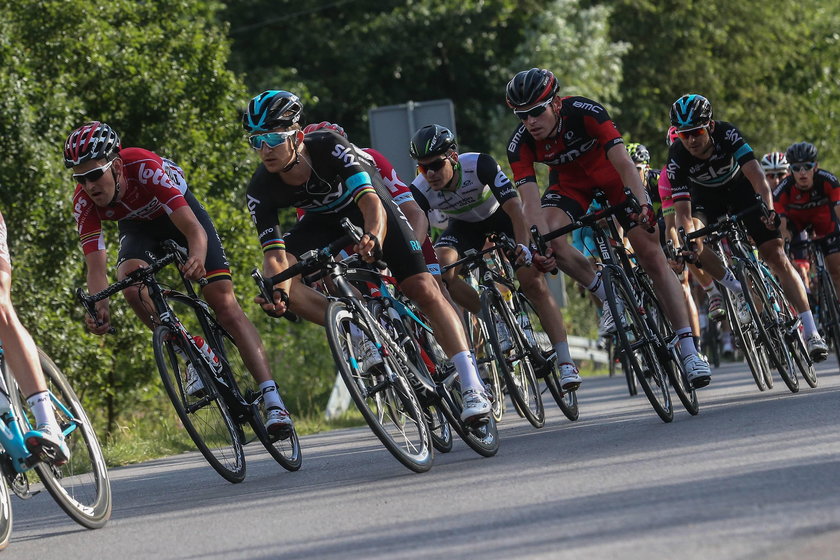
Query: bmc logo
514	142
344	154
571	155
158	176
587	106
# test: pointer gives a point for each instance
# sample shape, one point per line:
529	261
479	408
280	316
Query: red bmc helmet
530	87
91	141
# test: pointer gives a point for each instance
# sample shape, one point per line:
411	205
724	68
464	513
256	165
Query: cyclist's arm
416	217
620	160
521	229
529	192
186	222
682	209
376	222
97	280
753	172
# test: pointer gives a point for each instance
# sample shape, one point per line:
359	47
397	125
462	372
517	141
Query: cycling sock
42	409
271	395
731	282
564	356
710	287
807	318
466	371
597	287
686	342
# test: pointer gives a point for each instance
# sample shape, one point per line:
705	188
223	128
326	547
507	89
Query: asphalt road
755	475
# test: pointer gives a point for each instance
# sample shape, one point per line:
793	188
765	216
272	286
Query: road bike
216	416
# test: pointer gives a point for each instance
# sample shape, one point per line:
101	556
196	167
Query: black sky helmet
272	109
691	111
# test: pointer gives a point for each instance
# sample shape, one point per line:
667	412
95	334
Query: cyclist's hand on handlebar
193	269
102	323
523	255
772	220
545	263
646	218
368	248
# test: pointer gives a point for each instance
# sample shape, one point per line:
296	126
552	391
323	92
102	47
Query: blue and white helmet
272	109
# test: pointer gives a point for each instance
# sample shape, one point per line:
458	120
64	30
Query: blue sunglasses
272	139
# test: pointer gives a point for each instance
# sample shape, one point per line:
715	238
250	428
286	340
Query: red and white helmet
91	141
671	136
324	124
774	162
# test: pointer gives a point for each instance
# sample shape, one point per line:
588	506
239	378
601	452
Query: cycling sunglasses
272	139
436	165
780	175
93	175
699	131
534	111
807	166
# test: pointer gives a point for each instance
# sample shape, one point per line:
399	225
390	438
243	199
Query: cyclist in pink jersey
149	198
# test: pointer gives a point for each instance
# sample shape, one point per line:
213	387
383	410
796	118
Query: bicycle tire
81	487
629	374
206	418
287	451
515	363
566	400
6	517
765	319
670	354
746	337
638	352
790	325
485	357
830	311
392	409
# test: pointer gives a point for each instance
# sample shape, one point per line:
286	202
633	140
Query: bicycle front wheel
513	357
746	338
382	394
5	514
81	486
204	415
634	337
829	312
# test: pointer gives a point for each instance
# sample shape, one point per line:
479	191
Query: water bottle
208	353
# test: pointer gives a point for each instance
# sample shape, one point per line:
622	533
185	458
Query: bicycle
81	487
214	417
773	318
827	308
385	397
643	333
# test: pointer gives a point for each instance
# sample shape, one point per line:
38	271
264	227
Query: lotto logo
158	176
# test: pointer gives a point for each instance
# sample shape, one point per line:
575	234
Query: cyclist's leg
459	236
560	208
22	356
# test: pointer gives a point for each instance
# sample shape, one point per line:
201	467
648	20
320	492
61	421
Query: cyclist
579	142
479	199
650	177
46	440
151	202
327	176
713	171
809	198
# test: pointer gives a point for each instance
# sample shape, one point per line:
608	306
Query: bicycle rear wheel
513	357
566	400
81	487
634	337
205	416
746	337
485	358
482	438
789	325
285	451
5	513
829	312
384	396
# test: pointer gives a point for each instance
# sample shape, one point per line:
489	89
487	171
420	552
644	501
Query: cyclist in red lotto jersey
809	198
579	142
149	198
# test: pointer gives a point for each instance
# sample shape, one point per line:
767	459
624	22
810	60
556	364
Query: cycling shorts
462	236
141	239
709	204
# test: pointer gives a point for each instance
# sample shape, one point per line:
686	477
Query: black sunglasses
436	165
93	175
797	167
534	111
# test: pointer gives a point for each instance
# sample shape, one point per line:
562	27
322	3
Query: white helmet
774	162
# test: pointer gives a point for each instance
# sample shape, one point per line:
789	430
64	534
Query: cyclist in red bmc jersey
149	198
809	198
579	142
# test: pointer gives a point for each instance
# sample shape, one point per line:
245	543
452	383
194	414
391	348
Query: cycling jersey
474	206
665	194
576	154
151	187
813	207
482	187
341	175
651	182
722	169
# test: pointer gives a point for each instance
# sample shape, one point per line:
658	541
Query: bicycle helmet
91	141
774	161
432	140
529	87
671	136
272	109
638	153
801	152
691	111
324	124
